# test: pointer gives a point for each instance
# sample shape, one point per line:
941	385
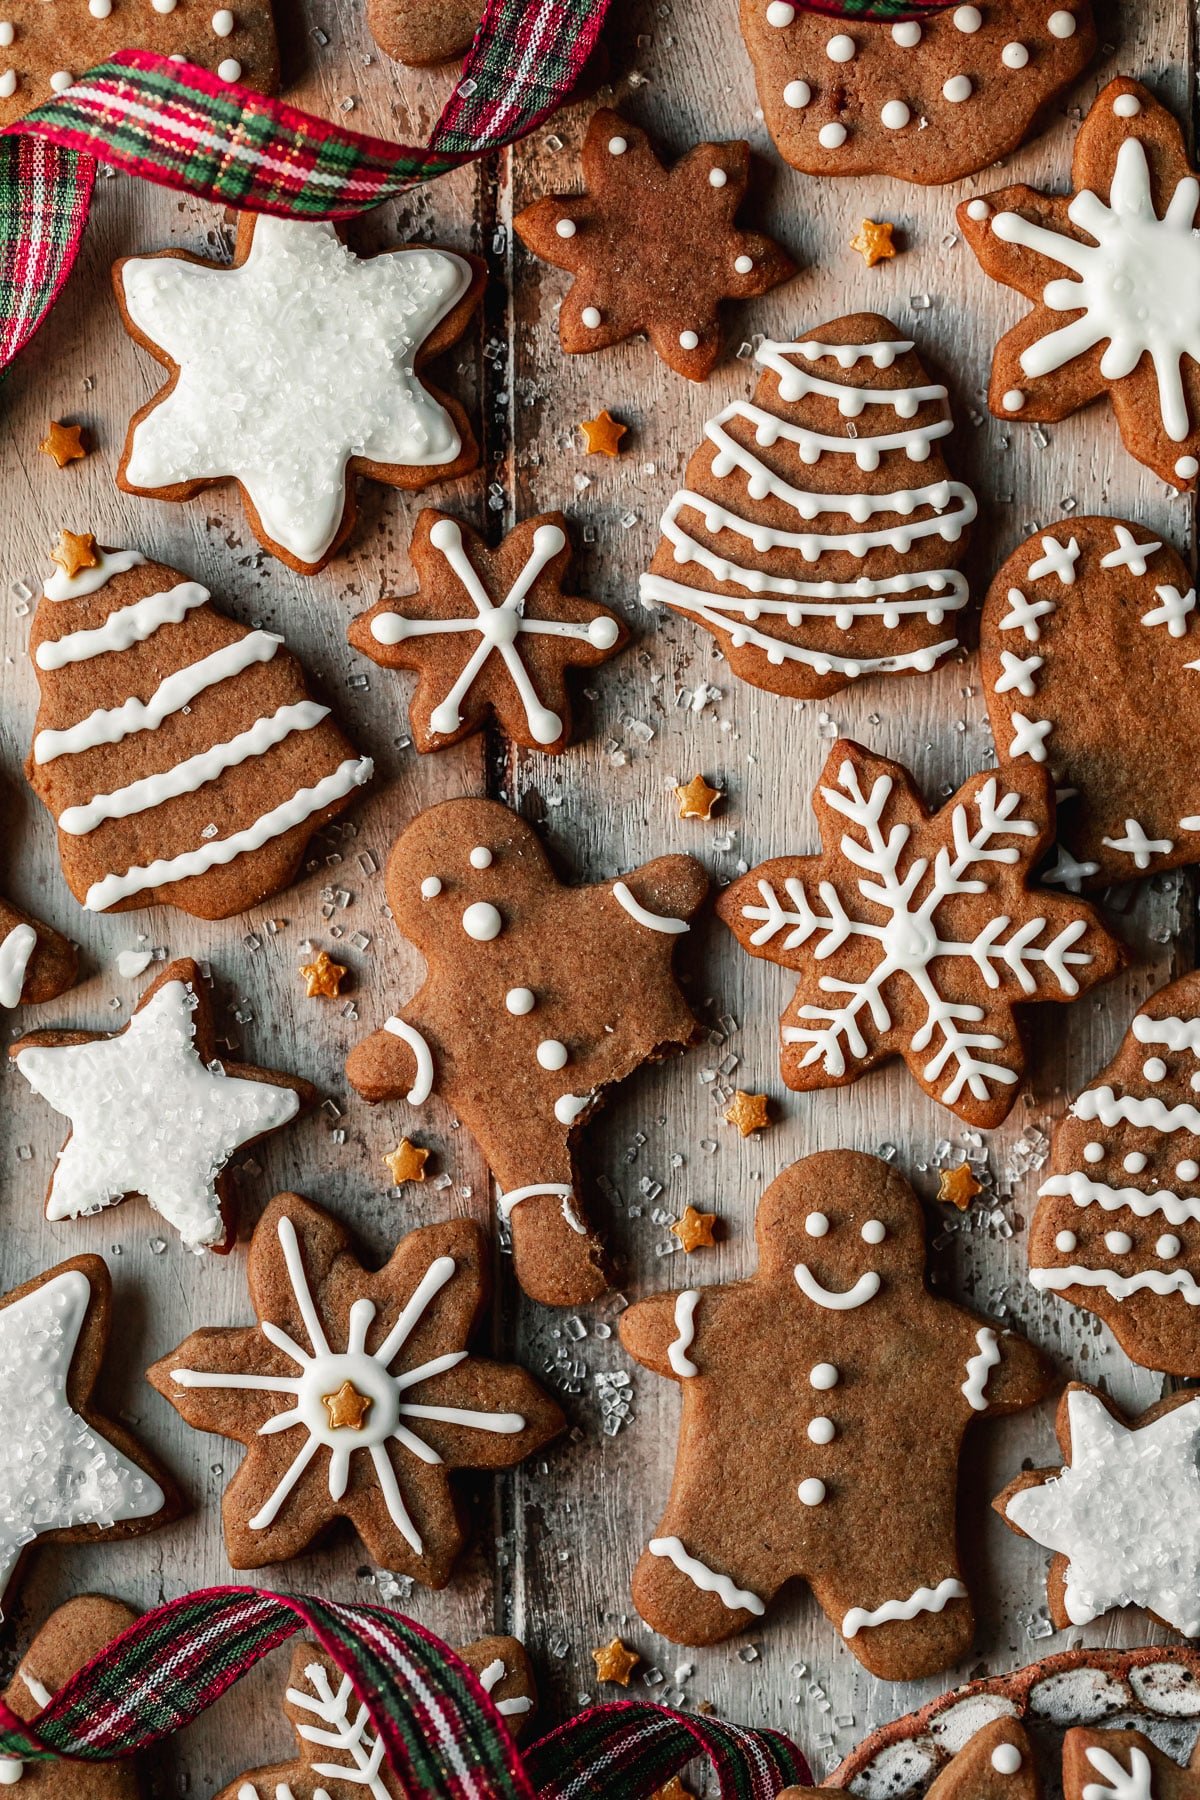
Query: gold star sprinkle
958	1185
322	977
694	1230
615	1662
874	243
64	443
75	551
697	799
674	1790
748	1112
407	1163
602	435
347	1408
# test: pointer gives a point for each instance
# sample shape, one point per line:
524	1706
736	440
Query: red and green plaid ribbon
443	1736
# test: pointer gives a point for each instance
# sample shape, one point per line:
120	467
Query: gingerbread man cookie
293	371
36	962
525	1016
355	1394
883	1380
818	534
915	934
1111	269
1124	1765
996	1763
67	1642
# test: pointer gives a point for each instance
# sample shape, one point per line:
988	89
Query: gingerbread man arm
1002	1371
669	887
660	1332
392	1064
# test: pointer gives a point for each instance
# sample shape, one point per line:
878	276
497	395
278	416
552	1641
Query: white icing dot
832	136
163	6
811	1491
816	1224
1066	1242
519	1001
823	1376
61	80
1061	24
968	18
840	49
1119	1242
99	9
8	84
1187	1170
1186	467
230	69
603	633
7	34
1154	1068
907	34
566	228
895	114
717	177
874	1231
797	94
1093	1153
618	145
591	317
821	1430
780	13
1134	1163
482	922
978	210
743	264
1168	1246
480	857
1014	56
431	887
959	87
552	1054
1013	401
1127	106
688	340
1006	1759
222	22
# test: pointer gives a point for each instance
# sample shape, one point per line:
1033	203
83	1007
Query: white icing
431	887
422	1085
1068	871
519	1001
1066	1241
132	963
130	625
339	1726
552	1054
568	1107
1023	614
490	1678
1118	1783
651	920
1119	1242
922	1599
707	1580
1056	559
816	1225
1029	737
873	1232
823	1376
811	1491
16	949
1103	1104
863	1290
1129	553
1177	1209
685	1326
1006	1759
1120	1287
979	1367
482	921
480	857
1018	672
506	1202
1172	611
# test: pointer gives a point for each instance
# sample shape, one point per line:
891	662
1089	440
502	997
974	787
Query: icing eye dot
566	228
958	88
1093	1153
811	1491
840	49
552	1054
591	317
1186	467
618	145
797	94
968	18
874	1231
895	114
688	340
1168	1246
519	1001
230	69
823	1376
780	13
907	34
482	922
1127	106
1066	1241
1134	1163
1154	1068
717	177
743	264
1119	1242
816	1224
978	209
1014	56
1006	1759
821	1430
222	22
831	136
480	857
1061	24
431	887
1187	1170
61	80
1013	401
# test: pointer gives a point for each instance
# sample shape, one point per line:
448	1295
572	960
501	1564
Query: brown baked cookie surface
1123	1765
423	32
68	1640
996	1763
355	1394
1112	269
180	752
490	633
653	249
293	371
882	1380
36	962
1117	1226
926	99
1089	644
525	1018
818	534
915	934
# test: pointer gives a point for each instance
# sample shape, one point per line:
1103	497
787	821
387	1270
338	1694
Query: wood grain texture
555	1544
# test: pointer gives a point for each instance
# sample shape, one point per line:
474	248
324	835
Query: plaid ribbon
443	1736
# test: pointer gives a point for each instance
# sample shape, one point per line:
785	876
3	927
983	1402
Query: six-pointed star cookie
915	934
490	633
154	1112
1114	270
1123	1518
67	1641
399	1338
653	249
1124	1765
36	962
293	371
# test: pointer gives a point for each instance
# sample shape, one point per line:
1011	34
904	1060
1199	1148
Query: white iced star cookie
292	371
1123	1517
153	1112
65	1471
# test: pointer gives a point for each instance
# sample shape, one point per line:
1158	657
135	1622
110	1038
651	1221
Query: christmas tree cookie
67	1642
819	533
36	962
180	752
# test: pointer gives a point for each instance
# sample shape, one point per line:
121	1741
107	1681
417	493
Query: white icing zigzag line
795	384
915	440
133	624
651	920
341	1732
882	354
1177	1209
1103	1104
1176	1034
685	1325
1155	1281
864	1289
422	1085
922	1599
707	1580
979	1367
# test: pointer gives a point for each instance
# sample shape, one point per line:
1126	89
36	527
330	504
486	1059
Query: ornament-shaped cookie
883	1379
1090	649
67	1642
1117	1227
1112	269
179	751
36	962
819	533
525	1018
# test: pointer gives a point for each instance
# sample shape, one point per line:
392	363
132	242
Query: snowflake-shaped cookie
915	934
1114	270
653	249
1124	1765
490	633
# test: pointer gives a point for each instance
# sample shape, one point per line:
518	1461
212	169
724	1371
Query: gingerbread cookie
915	934
154	1111
1122	1516
67	1642
1081	618
818	534
1124	1765
525	1016
36	962
1117	1227
67	1472
490	633
179	751
653	249
883	1380
294	371
996	1763
423	32
1111	269
355	1394
928	99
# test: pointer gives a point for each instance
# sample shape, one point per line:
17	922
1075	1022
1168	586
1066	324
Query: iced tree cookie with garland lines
37	963
525	1017
295	370
1113	270
884	1379
67	1642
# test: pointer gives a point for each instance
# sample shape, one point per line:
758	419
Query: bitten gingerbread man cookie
1113	269
36	962
1117	1228
1123	1517
1124	1765
996	1763
818	534
490	633
67	1642
525	1016
915	934
356	1395
293	371
882	1380
653	249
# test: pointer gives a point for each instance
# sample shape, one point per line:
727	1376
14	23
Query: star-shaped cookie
36	962
154	1112
490	633
653	249
68	1640
1124	1765
1114	270
399	1338
293	371
915	933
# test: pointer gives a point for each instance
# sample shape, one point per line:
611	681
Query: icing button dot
163	6
519	1001
7	33
895	114
968	18
1134	1163
811	1491
823	1376
1168	1246
99	9
61	80
958	88
978	210
1014	56
688	340
831	136
618	146
222	22
1066	1242
797	95
431	887
1186	467
1187	1170
1154	1068
566	228
482	922
840	49
1013	401
743	264
591	317
907	34
816	1224
1127	106
821	1430
1061	24
1006	1759
1093	1153
552	1054
717	177
874	1231
8	84
1119	1242
230	69
780	13
480	857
